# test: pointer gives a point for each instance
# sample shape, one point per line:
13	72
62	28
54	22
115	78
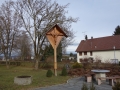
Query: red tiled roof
100	44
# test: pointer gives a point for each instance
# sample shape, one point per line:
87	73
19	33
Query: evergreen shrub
64	72
116	86
49	73
84	87
92	87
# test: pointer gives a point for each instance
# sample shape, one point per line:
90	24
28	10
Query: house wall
102	55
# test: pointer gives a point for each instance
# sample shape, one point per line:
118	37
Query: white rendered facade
101	55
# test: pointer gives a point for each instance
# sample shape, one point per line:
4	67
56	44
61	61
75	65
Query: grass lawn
39	78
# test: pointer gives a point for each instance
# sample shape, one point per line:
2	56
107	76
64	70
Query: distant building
71	57
68	57
103	48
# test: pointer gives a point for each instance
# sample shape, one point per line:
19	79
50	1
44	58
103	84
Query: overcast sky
97	18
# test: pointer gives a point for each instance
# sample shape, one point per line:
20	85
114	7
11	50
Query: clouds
71	49
98	18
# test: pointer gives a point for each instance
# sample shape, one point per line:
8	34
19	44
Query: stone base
23	80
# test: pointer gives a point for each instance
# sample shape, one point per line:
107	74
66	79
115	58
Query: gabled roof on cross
61	32
55	35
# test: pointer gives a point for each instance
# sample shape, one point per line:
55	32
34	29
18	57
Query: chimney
91	37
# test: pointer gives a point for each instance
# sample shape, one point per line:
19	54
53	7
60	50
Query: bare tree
40	15
24	45
9	26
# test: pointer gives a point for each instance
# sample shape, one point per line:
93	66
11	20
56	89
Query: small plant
64	72
77	65
117	86
92	87
84	87
49	73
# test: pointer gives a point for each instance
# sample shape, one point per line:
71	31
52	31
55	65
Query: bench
112	80
88	77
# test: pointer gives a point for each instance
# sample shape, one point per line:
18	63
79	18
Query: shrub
47	65
64	72
84	87
49	73
92	87
117	86
77	65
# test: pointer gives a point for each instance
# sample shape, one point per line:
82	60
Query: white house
103	48
71	58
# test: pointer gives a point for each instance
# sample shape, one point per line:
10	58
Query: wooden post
55	60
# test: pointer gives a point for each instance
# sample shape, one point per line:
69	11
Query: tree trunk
7	64
36	63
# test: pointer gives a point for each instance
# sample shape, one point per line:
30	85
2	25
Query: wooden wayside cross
54	35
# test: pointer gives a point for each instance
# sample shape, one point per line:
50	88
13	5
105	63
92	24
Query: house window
91	53
85	53
80	53
81	60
